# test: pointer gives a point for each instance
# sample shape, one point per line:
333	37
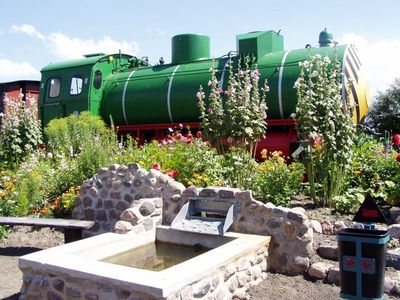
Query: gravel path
21	241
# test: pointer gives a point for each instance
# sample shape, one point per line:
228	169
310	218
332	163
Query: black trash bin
362	262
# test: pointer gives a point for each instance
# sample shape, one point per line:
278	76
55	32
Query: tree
384	114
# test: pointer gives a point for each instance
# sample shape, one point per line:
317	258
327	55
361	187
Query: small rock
389	285
122	227
201	289
299	209
393	258
316	226
319	270
132	215
147	208
334	276
327	227
338	226
394	231
300	263
396	289
328	252
190	191
240	294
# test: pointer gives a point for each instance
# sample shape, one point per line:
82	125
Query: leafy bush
376	170
66	135
277	182
350	201
187	159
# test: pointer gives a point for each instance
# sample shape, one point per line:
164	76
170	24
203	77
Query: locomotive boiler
145	100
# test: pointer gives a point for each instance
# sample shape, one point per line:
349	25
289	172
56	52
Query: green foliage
66	135
376	170
350	201
236	116
239	168
277	182
325	127
187	159
8	193
20	131
384	115
4	230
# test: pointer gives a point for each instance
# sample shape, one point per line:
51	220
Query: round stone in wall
147	208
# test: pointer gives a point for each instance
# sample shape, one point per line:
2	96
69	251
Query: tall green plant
325	126
235	116
20	131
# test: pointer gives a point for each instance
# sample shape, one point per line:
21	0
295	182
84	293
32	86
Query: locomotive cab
75	86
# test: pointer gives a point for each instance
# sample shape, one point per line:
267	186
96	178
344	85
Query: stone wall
230	281
130	198
124	198
292	235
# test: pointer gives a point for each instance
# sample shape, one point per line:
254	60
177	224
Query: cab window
76	85
55	87
98	77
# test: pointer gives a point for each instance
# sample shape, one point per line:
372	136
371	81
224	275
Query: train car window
76	85
98	77
55	87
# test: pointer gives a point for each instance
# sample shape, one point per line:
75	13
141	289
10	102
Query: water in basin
155	256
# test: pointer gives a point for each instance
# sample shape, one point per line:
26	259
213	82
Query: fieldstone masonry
124	198
292	234
230	281
129	198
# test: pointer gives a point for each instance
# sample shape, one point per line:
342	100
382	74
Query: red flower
189	136
156	166
398	157
172	173
189	141
178	136
396	139
199	134
318	142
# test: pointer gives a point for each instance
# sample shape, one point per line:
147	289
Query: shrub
376	170
20	131
277	182
67	134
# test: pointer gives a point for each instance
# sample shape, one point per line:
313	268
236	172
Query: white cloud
66	47
380	59
10	70
27	29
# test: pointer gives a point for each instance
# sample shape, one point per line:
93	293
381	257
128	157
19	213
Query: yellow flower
264	153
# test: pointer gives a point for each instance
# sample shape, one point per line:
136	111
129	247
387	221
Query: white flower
306	64
327	60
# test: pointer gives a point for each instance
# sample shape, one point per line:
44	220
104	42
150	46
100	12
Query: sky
36	33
